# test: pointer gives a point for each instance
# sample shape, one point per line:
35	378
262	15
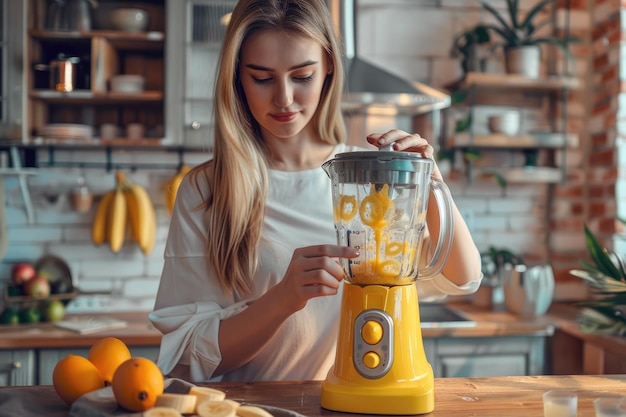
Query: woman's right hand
314	271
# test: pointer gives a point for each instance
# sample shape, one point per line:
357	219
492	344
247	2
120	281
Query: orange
74	376
137	383
107	354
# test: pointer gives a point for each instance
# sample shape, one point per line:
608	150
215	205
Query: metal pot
63	72
528	290
69	14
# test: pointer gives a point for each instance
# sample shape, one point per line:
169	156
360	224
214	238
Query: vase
523	60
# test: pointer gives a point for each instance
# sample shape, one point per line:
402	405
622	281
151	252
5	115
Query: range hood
370	89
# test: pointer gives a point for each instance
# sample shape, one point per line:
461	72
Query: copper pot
63	73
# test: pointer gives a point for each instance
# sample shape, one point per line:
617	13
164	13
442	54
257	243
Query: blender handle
446	230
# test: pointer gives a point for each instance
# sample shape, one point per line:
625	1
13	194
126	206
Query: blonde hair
238	171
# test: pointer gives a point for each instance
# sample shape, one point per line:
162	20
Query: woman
251	285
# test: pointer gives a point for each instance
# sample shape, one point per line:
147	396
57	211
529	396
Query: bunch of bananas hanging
171	187
128	204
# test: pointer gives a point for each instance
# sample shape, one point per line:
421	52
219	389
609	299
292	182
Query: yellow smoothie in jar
377	211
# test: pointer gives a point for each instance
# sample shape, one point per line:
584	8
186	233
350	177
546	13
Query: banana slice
216	409
161	412
252	411
207	394
183	403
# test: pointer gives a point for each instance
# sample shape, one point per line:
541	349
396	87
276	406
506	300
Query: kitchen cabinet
192	55
486	356
48	358
17	367
100	55
533	152
11	62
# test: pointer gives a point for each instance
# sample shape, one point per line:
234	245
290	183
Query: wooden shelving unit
102	55
511	90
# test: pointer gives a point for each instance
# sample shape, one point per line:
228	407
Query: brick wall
411	38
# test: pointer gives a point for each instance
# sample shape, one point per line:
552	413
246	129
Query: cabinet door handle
195	125
16	365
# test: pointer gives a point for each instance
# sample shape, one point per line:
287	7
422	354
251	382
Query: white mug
108	131
135	131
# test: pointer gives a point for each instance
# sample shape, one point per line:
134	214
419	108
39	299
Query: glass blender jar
380	199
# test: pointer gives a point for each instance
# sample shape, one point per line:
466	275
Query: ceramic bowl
128	83
130	20
508	123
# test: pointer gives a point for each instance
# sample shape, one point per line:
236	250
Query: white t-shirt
190	302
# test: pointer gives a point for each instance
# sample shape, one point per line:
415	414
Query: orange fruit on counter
137	383
107	354
74	376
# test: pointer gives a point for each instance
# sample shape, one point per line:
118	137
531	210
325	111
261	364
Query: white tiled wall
410	38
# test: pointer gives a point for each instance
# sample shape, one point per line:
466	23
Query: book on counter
87	325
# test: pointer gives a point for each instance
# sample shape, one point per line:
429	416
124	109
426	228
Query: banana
207	394
133	214
117	220
216	409
252	411
99	225
171	187
183	403
158	411
142	217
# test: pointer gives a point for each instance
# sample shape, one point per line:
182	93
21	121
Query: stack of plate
66	131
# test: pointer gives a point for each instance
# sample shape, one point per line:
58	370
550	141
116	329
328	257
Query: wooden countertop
454	397
139	332
484	397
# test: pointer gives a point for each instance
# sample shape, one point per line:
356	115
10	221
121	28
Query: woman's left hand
403	141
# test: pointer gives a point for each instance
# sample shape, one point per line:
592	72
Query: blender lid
380	167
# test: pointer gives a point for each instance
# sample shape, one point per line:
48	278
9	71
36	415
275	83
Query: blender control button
372	332
371	360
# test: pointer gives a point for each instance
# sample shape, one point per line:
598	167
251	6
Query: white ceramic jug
528	290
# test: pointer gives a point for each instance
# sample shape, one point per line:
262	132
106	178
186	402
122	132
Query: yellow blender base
380	366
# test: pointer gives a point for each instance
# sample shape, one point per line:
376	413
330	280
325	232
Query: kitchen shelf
524	175
118	39
517	82
102	55
111	148
89	97
526	141
484	91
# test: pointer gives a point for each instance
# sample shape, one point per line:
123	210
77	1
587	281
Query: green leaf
513	10
445	155
500	180
472	155
459	96
600	256
463	124
506	27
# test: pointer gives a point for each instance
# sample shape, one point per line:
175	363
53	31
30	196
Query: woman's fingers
402	141
318	263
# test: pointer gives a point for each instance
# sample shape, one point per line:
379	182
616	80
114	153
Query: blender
380	200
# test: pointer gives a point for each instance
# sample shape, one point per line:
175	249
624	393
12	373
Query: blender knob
372	332
371	360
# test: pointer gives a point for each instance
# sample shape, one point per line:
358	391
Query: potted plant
469	45
606	276
520	38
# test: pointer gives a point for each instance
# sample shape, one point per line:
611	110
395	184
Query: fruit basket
10	289
37	292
